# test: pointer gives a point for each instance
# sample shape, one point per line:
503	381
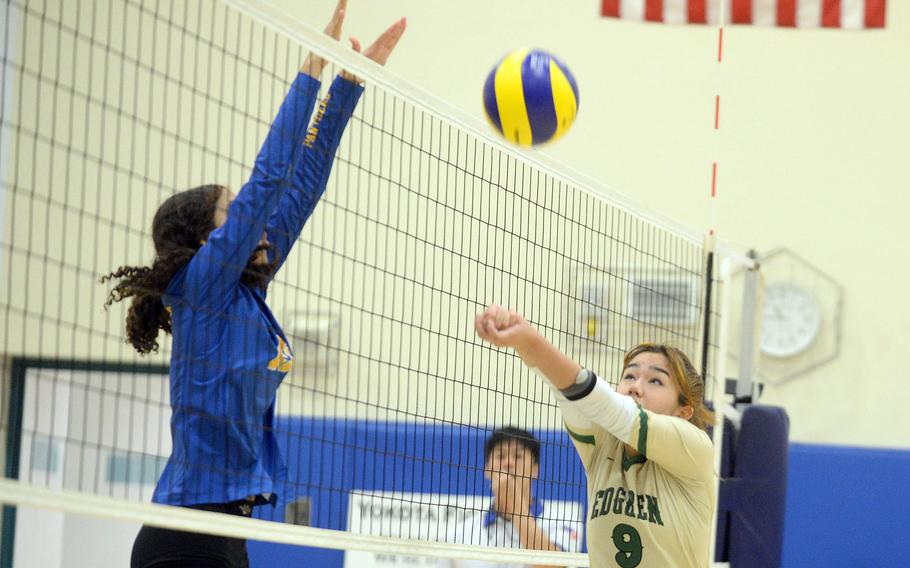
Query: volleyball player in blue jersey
215	256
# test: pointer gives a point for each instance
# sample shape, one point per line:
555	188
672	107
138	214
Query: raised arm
584	401
311	172
317	155
217	266
587	400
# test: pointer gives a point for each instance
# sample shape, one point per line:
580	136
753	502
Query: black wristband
581	389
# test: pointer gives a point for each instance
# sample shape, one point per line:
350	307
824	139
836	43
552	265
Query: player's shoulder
694	434
684	428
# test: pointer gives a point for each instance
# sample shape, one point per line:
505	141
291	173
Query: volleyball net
110	107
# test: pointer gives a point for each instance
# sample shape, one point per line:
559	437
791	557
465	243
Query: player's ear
685	412
535	470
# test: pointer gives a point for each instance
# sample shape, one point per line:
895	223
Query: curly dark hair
180	226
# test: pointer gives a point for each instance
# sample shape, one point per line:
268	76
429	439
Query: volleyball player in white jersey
648	459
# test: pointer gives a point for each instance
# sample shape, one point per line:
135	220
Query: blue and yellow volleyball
530	97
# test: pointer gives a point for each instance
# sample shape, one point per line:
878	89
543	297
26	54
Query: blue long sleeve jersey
229	353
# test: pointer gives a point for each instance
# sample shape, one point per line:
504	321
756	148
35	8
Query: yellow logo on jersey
284	360
313	132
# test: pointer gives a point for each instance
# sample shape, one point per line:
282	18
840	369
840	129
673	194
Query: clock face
791	320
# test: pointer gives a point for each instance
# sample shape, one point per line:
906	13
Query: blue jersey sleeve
313	166
217	266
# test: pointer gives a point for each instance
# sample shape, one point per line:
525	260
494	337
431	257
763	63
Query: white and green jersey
652	510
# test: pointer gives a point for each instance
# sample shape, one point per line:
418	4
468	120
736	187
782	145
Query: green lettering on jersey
630	505
641	508
620	501
654	511
607	500
597	497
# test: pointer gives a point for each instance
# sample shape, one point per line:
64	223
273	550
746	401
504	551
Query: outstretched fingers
313	65
334	26
380	50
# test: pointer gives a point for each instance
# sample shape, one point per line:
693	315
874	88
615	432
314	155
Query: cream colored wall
123	140
644	129
812	154
402	253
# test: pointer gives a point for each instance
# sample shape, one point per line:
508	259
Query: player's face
511	458
222	206
221	214
647	380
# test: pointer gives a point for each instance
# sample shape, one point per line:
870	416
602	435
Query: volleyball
530	97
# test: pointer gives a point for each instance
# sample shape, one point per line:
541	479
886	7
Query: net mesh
112	106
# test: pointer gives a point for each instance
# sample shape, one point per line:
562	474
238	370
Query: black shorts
164	548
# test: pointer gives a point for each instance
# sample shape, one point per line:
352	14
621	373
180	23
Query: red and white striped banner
847	14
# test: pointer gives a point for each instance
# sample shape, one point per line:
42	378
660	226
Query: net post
710	248
746	387
718	393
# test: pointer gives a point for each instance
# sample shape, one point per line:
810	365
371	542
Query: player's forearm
313	66
574	418
596	400
539	353
322	138
313	166
287	131
603	406
587	404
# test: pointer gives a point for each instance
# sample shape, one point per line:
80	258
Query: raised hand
502	327
380	50
313	65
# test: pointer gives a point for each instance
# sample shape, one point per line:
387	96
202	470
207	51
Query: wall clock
791	319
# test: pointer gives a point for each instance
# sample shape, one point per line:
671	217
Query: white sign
424	516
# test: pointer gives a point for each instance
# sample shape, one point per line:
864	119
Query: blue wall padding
327	458
755	496
722	550
847	507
